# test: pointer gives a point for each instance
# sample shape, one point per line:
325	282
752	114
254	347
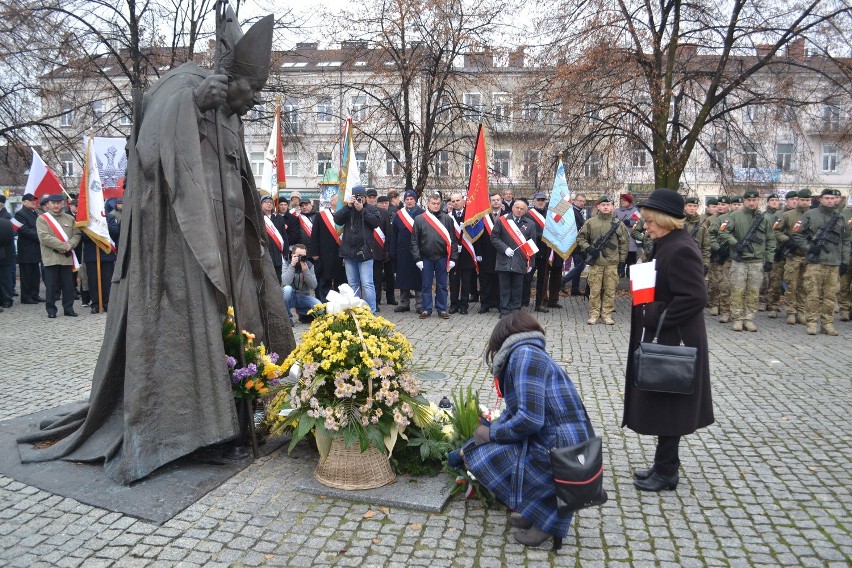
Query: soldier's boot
800	319
608	320
592	321
714	311
828	329
772	314
726	318
812	329
749	325
761	306
844	315
791	319
738	325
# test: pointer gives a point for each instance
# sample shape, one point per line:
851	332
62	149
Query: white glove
509	252
452	264
460	247
478	259
419	264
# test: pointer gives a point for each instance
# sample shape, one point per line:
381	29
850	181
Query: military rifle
750	239
602	242
822	236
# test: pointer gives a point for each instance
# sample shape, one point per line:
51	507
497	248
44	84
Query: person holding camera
299	281
358	220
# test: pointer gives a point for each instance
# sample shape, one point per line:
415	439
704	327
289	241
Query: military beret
736	199
712	201
28	197
383	199
56	198
791	195
750	193
724	199
691	200
772	196
372	192
804	193
829	191
604	199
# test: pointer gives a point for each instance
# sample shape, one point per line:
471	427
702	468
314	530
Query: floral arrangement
260	372
352	381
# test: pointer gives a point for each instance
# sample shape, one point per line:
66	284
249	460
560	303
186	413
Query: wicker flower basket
349	468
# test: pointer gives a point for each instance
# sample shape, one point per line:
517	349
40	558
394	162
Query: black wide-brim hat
668	201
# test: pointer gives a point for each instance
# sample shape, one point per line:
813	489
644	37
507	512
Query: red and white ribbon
328	220
442	230
406	219
16	224
537	217
307	225
62	236
527	246
273	233
379	235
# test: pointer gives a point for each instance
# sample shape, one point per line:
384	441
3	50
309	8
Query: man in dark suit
276	235
379	244
572	279
513	262
29	250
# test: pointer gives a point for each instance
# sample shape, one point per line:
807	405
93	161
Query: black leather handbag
578	474
664	368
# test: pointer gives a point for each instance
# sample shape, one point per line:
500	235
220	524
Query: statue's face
242	95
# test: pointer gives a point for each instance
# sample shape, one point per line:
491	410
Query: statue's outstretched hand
212	92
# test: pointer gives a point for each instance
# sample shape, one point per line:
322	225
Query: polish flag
42	180
643	279
529	248
635	216
16	224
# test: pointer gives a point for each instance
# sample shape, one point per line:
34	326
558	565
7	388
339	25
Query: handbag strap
659	328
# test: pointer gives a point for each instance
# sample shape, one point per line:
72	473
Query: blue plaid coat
543	410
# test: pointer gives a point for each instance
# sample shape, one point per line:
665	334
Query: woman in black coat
680	289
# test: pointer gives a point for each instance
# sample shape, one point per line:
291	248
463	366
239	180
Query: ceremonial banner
111	160
91	214
42	181
274	177
560	227
477	205
349	174
475	231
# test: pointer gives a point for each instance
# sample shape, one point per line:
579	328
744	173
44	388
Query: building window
502	159
258	163
502	107
472	106
750	156
784	156
291	164
718	155
323	162
830	158
290	116
638	155
361	160
98	107
830	118
441	166
468	164
67	165
357	107
256	113
531	109
751	113
67	117
125	114
529	166
393	163
324	111
592	166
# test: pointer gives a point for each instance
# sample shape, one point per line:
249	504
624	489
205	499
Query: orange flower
264	390
249	384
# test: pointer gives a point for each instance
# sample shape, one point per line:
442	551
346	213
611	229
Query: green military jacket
716	224
835	250
644	241
762	245
599	226
699	232
783	228
52	248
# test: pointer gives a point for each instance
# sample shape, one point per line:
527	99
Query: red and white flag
635	216
643	279
16	224
529	248
42	181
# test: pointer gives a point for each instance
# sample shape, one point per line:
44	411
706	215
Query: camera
303	258
359	199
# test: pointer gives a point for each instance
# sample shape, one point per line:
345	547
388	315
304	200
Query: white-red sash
406	219
307	225
273	233
517	237
62	236
489	224
465	242
537	217
328	220
379	235
16	224
442	230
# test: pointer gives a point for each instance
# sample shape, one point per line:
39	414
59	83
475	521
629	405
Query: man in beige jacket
58	236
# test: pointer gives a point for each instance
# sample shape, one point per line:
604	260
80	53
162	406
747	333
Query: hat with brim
372	192
383	199
539	195
28	197
55	198
667	201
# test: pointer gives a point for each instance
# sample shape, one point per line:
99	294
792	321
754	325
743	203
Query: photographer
298	282
358	220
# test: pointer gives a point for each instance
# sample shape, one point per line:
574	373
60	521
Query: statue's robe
161	388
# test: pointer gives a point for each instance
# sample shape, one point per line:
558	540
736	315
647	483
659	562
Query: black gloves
739	248
844	268
767	266
592	254
814	251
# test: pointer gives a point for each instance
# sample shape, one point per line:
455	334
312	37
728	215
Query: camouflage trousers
602	281
720	282
794	270
844	292
773	288
745	288
820	283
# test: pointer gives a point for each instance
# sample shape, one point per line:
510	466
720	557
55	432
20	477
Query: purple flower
273	357
231	362
241	374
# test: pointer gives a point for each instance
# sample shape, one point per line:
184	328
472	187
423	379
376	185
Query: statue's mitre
247	55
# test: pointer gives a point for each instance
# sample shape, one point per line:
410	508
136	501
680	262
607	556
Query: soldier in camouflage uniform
643	241
709	211
794	261
844	294
824	239
603	259
776	277
723	253
749	234
714	274
697	230
773	214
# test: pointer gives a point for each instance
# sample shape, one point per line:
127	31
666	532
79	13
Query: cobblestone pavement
767	485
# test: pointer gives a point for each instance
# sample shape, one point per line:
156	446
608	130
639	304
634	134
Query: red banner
478	204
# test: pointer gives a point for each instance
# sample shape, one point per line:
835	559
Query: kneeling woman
543	411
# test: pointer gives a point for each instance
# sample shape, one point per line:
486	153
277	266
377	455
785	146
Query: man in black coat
379	243
7	258
324	249
572	279
29	250
276	235
489	285
358	220
389	270
407	274
433	246
512	262
463	273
